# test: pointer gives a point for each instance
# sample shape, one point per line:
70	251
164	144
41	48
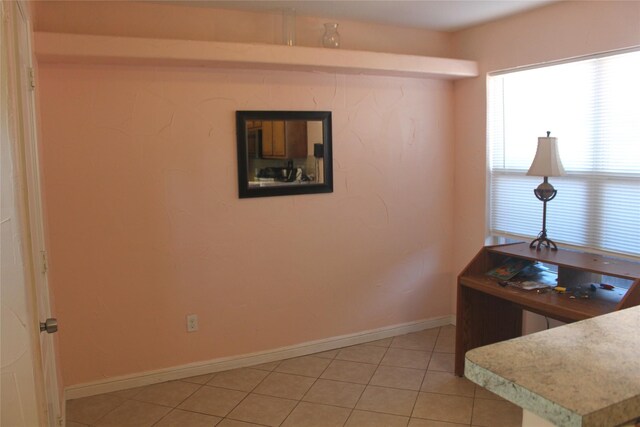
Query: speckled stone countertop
582	374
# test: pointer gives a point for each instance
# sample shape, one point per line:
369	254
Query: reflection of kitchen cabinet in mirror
284	152
284	139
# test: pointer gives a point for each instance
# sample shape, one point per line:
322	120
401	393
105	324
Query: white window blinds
593	107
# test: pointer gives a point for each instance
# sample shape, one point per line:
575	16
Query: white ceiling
439	15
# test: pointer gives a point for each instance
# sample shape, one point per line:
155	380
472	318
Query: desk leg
483	319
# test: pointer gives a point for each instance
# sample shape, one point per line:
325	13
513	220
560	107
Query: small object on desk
510	268
580	292
593	287
529	285
560	289
607	287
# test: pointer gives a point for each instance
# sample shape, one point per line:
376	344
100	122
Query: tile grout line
179	403
473	398
248	393
366	385
369	382
315	381
425	375
108	412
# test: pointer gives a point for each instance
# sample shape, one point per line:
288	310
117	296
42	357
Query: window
593	107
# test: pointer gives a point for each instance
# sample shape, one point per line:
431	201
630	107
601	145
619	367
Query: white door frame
46	369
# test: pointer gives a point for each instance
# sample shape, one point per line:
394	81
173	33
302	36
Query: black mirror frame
245	191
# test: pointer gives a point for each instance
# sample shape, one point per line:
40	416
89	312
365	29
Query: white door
30	395
36	220
18	383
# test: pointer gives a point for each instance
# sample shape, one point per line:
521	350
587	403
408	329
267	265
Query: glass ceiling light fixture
546	163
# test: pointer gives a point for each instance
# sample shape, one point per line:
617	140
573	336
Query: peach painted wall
137	19
146	226
561	30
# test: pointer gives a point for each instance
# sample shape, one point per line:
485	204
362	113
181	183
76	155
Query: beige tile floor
402	381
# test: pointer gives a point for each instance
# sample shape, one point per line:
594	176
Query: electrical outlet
192	322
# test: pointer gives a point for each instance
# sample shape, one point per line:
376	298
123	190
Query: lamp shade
547	161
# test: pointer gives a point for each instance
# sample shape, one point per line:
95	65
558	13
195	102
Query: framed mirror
284	152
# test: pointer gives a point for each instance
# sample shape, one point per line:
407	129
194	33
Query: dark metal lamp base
541	242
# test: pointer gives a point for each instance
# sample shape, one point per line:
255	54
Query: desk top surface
582	374
574	259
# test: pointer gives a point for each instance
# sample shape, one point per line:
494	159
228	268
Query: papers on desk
510	268
524	274
538	273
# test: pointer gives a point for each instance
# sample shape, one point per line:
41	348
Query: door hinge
45	262
32	78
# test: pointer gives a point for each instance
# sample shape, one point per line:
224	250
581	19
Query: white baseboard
225	363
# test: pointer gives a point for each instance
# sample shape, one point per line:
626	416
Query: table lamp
546	163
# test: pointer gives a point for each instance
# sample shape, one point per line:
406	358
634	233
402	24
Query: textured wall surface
157	20
146	226
144	220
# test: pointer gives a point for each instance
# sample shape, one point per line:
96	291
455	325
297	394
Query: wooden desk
488	313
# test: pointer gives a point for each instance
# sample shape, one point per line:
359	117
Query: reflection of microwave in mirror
254	143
